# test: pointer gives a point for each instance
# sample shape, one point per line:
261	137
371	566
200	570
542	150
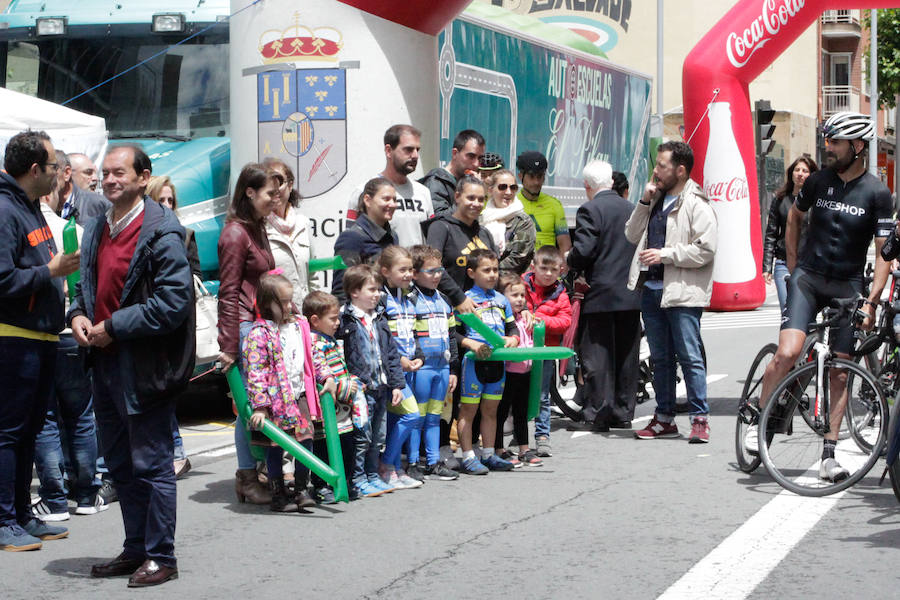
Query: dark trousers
515	399
68	441
26	381
609	348
139	453
320	449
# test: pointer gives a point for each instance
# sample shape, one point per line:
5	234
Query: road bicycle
790	444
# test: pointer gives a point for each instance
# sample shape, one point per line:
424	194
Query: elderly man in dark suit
83	204
610	324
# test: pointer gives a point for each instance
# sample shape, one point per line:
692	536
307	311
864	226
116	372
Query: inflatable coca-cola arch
716	77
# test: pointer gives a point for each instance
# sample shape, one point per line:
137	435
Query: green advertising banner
524	93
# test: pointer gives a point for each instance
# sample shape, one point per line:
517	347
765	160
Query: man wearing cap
490	164
545	210
468	149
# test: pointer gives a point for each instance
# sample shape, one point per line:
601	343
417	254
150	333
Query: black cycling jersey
843	218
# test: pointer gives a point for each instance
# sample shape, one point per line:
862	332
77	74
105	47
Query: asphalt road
607	516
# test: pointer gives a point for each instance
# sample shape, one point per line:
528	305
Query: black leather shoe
152	573
580	426
120	566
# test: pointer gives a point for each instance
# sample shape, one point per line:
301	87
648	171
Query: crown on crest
298	42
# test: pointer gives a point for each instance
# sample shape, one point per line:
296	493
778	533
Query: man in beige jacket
674	228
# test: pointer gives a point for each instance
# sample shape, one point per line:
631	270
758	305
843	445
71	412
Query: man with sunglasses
465	158
401	152
609	330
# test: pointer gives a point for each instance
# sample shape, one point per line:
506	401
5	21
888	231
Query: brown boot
248	488
281	501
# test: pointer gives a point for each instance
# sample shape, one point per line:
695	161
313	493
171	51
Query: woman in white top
290	233
504	217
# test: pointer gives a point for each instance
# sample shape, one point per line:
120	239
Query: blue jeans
670	332
241	444
71	408
779	272
26	378
542	421
139	453
177	441
368	440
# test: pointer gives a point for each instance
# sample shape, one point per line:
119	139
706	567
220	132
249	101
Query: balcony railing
836	98
841	16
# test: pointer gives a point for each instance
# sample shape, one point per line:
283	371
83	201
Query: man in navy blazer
84	205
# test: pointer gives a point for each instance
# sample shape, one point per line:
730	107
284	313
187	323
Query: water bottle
70	245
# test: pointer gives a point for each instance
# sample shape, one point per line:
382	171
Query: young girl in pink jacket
281	381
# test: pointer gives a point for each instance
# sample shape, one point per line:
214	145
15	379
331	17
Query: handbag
206	309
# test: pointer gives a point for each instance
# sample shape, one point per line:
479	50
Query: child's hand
510	342
354	386
396	397
410	365
257	418
483	351
451	387
529	319
330	386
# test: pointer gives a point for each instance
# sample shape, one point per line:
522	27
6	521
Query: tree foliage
888	54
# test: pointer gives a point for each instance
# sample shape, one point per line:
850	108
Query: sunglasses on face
434	271
503	186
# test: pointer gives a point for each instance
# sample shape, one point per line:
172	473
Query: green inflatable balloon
333	473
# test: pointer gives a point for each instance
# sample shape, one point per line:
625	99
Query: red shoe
699	431
657	429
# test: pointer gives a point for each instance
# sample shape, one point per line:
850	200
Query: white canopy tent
69	130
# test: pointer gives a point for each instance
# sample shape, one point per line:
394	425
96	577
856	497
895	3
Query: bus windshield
181	94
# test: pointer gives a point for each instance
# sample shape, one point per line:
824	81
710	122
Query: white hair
598	175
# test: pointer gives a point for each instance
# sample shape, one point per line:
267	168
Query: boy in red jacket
548	301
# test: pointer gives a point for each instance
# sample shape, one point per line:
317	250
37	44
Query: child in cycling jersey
482	381
439	373
396	269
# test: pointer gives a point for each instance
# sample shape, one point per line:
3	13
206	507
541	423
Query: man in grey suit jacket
83	204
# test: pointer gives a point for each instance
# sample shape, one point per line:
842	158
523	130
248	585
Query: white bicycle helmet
848	126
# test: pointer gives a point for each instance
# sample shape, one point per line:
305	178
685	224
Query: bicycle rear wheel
792	454
748	409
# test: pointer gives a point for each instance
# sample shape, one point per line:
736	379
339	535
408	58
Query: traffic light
764	128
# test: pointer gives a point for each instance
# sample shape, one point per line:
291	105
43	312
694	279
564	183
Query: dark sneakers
440	472
699	431
657	430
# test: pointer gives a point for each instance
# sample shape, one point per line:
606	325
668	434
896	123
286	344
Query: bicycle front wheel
748	409
792	452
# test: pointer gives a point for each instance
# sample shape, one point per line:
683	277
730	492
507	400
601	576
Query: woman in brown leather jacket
244	255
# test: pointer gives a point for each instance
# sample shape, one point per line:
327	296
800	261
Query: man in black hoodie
31	317
465	157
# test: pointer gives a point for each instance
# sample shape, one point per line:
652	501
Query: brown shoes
248	488
152	573
118	567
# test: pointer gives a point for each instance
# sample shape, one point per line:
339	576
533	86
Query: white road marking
763	541
218	452
681	390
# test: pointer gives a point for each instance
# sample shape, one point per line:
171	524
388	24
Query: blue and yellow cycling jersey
494	310
434	320
400	310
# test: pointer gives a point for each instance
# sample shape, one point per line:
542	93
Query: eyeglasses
54	165
511	186
434	271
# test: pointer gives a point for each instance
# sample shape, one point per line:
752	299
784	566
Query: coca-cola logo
775	14
733	190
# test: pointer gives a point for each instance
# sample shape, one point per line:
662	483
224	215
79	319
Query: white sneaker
43	512
751	440
99	506
406	482
831	470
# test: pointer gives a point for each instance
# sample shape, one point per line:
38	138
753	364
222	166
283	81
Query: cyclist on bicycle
847	206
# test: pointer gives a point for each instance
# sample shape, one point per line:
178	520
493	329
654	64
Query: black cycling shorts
807	294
